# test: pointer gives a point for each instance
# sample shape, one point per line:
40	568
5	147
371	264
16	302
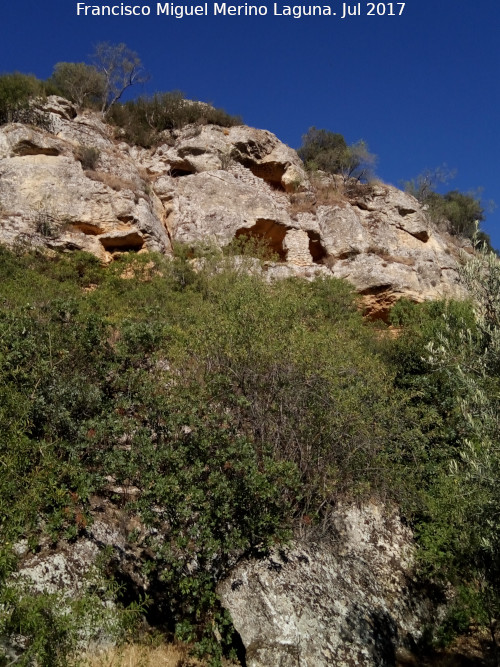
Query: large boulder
350	600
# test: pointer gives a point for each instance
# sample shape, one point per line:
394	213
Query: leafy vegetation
242	412
115	68
16	91
448	354
80	83
459	212
466	519
142	120
101	85
328	151
119	68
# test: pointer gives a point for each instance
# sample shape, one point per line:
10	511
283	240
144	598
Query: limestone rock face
70	184
217	206
208	148
346	603
48	198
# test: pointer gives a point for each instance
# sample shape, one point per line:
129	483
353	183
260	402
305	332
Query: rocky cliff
71	183
74	184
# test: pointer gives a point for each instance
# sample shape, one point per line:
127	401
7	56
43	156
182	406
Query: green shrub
16	92
88	156
242	411
52	629
144	118
448	355
325	150
460	212
81	83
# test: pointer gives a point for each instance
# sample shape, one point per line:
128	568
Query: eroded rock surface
213	184
48	198
350	602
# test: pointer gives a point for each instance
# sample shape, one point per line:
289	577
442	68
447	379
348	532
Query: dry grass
140	655
137	655
114	182
321	194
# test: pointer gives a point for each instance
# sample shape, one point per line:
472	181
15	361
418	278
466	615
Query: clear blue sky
422	89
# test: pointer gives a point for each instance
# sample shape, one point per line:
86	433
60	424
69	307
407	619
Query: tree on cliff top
328	151
120	68
81	83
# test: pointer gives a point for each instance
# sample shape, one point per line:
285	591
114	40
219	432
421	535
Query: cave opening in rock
272	233
87	228
26	147
318	252
270	172
132	242
179	173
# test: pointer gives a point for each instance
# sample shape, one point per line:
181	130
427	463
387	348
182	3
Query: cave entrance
318	252
132	242
269	231
87	228
270	172
179	173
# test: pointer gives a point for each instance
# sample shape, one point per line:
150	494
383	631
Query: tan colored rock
384	245
212	184
296	244
59	106
210	148
342	231
267	157
47	197
218	206
22	140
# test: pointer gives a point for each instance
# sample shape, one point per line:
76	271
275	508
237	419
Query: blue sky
422	89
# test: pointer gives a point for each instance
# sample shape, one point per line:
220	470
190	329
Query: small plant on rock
88	156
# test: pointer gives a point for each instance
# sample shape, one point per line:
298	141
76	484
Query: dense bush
242	411
101	85
323	149
448	355
247	411
459	212
328	151
16	92
88	156
463	211
144	118
81	83
464	546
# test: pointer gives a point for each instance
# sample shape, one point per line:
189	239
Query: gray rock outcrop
344	603
347	599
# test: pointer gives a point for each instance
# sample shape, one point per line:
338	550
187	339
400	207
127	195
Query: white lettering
112	10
